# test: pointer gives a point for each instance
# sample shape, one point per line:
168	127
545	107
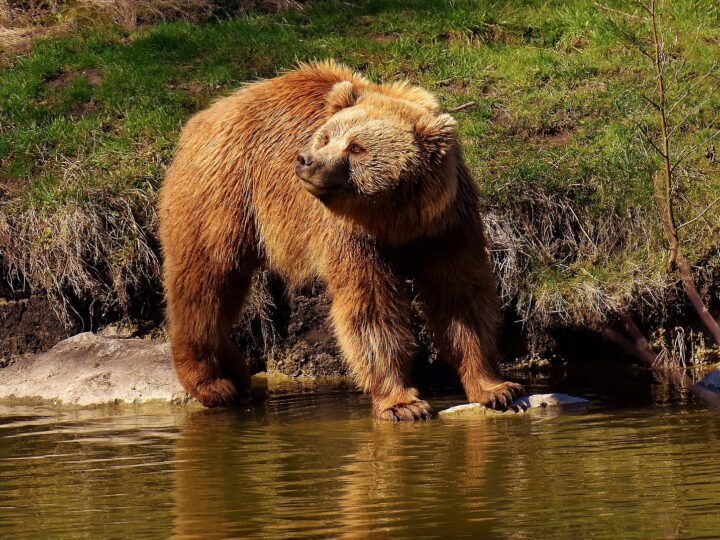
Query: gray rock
548	400
521	404
712	381
88	369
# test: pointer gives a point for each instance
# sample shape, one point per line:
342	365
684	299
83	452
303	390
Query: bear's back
235	164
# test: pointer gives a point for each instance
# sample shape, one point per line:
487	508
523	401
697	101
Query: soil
383	38
293	338
29	325
299	341
94	77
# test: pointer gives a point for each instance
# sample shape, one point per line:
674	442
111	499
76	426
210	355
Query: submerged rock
712	381
88	369
521	404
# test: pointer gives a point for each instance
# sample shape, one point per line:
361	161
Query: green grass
552	139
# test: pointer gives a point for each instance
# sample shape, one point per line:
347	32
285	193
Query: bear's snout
304	166
303	161
321	176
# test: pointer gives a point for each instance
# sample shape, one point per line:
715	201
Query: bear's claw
500	396
407	412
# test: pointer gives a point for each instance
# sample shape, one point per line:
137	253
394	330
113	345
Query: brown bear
319	173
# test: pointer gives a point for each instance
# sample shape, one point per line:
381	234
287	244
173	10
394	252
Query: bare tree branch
710	227
691	88
644	132
618	11
462	107
701	214
681	66
638	347
688	115
643	7
694	149
672	78
651	102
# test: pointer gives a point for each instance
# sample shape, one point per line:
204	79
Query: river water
313	464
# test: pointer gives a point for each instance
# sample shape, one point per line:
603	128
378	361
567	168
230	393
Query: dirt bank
28	323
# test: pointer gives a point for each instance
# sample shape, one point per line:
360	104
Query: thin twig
691	88
644	133
650	102
637	347
699	215
643	7
688	115
678	70
462	107
711	227
694	149
618	11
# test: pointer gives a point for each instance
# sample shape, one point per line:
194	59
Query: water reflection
315	465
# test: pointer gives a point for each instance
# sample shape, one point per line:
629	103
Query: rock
468	409
521	404
88	369
712	381
548	400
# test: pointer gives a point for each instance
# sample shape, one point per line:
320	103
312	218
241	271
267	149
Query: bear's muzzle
322	177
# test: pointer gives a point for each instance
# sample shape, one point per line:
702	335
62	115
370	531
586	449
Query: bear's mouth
320	178
321	190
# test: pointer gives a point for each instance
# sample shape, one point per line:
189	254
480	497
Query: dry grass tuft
134	13
100	254
22	21
578	253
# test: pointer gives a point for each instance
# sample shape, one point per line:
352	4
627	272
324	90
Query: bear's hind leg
201	313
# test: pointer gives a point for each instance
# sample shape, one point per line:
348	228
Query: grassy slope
552	139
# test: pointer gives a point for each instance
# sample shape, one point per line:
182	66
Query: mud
28	323
93	76
294	338
297	340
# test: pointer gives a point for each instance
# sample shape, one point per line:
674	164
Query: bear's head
385	157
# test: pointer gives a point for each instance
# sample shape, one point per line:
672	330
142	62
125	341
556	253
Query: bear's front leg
463	309
201	311
371	317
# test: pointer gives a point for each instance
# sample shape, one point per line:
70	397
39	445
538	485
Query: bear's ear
341	96
413	94
436	134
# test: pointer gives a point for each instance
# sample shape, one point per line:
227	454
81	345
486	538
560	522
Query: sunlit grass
89	119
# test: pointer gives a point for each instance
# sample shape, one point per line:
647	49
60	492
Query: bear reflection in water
322	476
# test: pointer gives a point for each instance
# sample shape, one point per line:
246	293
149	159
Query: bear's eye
325	139
355	149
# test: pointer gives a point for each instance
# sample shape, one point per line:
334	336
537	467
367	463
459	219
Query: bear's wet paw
500	396
216	392
407	412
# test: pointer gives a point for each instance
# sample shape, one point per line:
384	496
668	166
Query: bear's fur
319	173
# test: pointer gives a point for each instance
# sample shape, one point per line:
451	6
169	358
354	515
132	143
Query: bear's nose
303	161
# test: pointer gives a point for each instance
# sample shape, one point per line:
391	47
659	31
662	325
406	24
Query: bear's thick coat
319	173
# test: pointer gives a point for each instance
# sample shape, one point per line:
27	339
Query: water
315	465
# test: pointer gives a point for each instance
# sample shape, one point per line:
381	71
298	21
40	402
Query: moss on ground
89	118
